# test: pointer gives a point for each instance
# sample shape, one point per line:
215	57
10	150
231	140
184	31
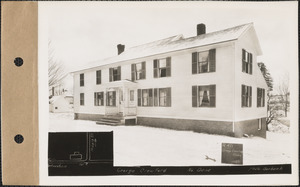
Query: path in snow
138	145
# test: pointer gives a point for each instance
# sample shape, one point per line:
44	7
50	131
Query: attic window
246	62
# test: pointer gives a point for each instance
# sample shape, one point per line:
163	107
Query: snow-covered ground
138	145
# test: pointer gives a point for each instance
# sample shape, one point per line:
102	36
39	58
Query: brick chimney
121	48
201	29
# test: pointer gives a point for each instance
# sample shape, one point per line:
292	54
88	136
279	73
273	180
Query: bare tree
56	72
284	91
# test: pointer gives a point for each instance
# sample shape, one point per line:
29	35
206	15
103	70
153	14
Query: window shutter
243	60
150	92
95	98
110	74
143	70
250	96
169	99
250	61
155	97
119	72
212	60
194	96
212	94
168	73
263	97
243	95
155	68
114	98
139	97
258	97
107	99
133	72
194	62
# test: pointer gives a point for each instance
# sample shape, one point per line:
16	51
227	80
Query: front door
121	101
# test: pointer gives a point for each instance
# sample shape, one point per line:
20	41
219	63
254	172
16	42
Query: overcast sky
81	32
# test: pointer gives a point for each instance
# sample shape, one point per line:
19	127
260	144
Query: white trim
187	118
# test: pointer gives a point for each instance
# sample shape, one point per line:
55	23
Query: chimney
121	48
201	29
52	91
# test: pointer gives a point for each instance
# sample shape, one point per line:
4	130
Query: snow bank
139	145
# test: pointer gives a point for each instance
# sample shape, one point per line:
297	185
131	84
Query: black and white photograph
168	89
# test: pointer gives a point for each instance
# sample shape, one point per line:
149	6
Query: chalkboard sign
232	153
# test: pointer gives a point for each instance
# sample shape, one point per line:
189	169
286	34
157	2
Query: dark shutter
212	60
169	95
150	95
119	73
168	70
143	70
155	68
95	99
243	60
139	97
250	96
194	96
114	98
263	97
107	99
212	93
258	97
250	63
155	97
243	95
194	62
111	74
133	72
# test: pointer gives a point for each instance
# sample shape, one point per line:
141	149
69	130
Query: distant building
207	83
61	103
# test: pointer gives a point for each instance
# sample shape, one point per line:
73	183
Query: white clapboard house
208	83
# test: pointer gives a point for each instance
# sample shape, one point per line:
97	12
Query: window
115	74
161	97
131	95
111	98
162	67
81	79
259	124
98	77
247	62
98	98
246	96
81	98
260	97
138	71
165	97
203	62
204	96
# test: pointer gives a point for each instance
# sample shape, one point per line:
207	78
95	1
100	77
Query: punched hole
18	61
19	138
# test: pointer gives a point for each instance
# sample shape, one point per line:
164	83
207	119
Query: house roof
173	43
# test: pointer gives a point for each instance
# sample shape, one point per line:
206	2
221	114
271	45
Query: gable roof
173	43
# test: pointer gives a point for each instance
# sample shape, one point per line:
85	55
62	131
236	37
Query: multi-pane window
247	62
81	79
204	96
162	67
203	62
260	97
115	74
81	98
98	77
111	98
98	98
154	97
138	71
246	96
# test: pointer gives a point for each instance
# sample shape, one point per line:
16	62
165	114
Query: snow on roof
170	44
